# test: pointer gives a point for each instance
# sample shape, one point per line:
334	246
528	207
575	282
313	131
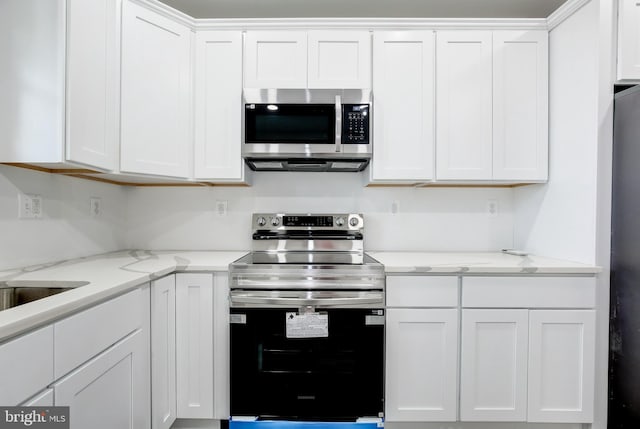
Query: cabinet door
163	352
520	105
218	95
463	113
105	393
561	366
92	85
403	65
493	380
629	40
194	345
275	59
221	370
156	100
421	365
42	399
339	59
26	365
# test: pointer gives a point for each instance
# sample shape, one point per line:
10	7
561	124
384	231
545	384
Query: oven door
307	363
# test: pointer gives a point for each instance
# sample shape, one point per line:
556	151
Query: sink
18	292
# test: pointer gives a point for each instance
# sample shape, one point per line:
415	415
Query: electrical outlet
36	206
29	206
24	207
395	207
221	208
492	208
95	206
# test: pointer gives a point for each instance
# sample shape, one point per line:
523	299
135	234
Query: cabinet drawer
529	292
422	291
26	366
98	327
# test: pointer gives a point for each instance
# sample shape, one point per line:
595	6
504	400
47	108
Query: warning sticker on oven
307	325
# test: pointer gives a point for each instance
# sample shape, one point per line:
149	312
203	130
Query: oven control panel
312	222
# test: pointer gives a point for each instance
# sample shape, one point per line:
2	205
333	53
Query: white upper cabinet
156	94
275	59
464	105
314	59
218	108
93	64
492	108
403	121
629	40
520	105
60	90
339	59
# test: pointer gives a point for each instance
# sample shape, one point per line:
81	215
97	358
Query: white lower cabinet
493	379
163	352
194	345
42	399
105	393
526	349
421	365
23	372
221	386
561	366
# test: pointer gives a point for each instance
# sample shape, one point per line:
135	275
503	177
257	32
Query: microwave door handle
338	132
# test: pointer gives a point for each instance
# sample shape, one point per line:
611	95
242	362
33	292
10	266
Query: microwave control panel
355	123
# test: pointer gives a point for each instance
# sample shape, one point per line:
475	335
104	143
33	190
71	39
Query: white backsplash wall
438	219
66	229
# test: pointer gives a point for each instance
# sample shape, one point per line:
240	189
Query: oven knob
262	221
340	221
275	221
354	221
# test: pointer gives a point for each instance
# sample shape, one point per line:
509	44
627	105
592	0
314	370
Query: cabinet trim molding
564	12
345	23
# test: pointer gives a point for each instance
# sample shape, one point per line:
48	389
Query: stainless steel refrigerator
624	343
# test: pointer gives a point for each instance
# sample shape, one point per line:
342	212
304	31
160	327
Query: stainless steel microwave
307	130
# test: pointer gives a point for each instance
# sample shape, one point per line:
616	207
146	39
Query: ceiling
366	8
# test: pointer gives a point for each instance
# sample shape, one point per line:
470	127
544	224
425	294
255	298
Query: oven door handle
360	300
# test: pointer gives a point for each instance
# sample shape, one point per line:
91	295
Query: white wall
444	219
66	230
558	219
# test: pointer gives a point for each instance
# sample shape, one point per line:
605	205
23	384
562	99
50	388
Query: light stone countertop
114	273
108	275
477	263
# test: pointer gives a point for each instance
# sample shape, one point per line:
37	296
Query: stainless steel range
307	321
